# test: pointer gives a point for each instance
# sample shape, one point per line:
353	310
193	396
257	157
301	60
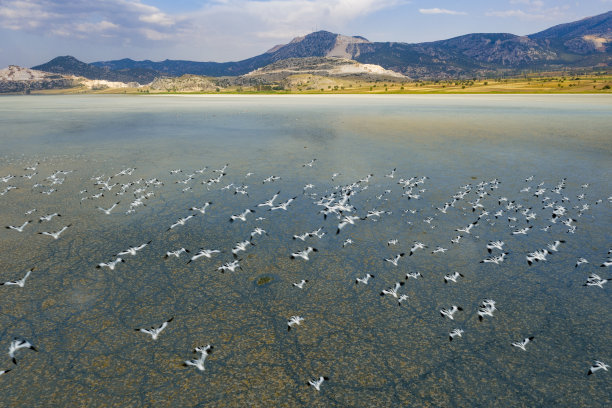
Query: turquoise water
82	319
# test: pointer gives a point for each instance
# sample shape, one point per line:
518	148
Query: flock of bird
337	206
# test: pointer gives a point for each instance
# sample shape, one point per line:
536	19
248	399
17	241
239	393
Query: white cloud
83	18
506	13
552	13
442	11
157	18
532	3
136	20
283	19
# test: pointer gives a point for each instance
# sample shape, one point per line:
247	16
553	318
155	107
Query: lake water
375	353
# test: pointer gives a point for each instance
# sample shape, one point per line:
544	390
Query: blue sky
34	31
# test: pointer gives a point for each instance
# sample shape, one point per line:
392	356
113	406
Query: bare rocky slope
15	79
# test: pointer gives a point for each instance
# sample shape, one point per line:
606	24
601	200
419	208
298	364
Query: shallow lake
495	160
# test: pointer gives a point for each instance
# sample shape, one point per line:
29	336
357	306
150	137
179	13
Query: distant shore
315	85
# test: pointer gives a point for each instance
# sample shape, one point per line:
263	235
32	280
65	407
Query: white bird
108	211
316	383
242	216
344	221
302	237
392	291
293	321
155	331
4	371
20	282
485	311
7	189
413	275
300	284
181	221
395	259
309	164
56	234
392	242
18	344
495	245
599	365
467	229
110	265
452	277
373	213
450	312
303	254
270	202
455	333
495	259
230	266
258	231
521	344
241	246
539	255
317	233
347	242
401	299
439	250
48	217
554	247
521	231
176	252
364	280
581	261
18	229
490	303
596	280
202	209
282	206
204	252
417	245
132	250
392	174
271	179
199	363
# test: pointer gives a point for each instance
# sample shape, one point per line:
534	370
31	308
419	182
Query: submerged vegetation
263	280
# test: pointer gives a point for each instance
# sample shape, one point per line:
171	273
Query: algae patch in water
264	280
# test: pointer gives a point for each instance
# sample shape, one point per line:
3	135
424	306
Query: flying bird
199	362
598	365
21	282
18	344
316	383
155	331
521	344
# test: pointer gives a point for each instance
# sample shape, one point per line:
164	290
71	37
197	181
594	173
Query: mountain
583	44
587	36
69	65
318	44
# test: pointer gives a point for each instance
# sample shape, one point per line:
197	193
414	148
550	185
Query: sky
35	31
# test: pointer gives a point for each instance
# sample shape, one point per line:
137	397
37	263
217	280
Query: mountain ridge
586	43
